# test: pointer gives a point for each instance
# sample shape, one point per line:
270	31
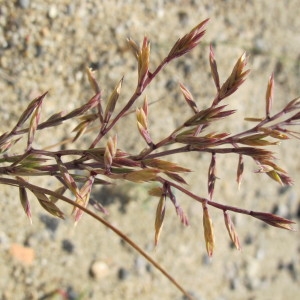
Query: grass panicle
103	162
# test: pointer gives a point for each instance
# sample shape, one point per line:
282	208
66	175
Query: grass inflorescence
103	162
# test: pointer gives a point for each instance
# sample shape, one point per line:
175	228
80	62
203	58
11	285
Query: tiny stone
234	284
139	265
259	46
95	65
193	295
99	269
38	50
280	210
4	240
68	246
183	18
206	260
280	265
25	255
260	254
72	295
283	189
50	222
24	3
171	85
248	239
298	211
52	12
78	76
292	269
149	268
123	274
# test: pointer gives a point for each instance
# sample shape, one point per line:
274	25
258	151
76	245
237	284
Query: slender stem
189	148
32	187
208	202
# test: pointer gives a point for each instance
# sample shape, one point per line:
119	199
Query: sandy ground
46	46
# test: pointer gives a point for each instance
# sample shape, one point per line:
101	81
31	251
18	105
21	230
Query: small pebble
24	255
183	18
24	3
4	240
72	295
68	246
171	85
298	211
234	284
206	260
292	269
99	269
283	189
248	239
140	265
50	222
193	295
259	46
52	12
123	274
280	210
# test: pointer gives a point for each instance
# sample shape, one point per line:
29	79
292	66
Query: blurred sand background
46	46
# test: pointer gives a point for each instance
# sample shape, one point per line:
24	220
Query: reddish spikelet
213	68
274	171
231	231
188	98
146	106
134	48
208	231
68	179
208	115
179	211
142	122
183	217
83	125
256	153
110	152
48	205
4	147
25	202
29	110
269	95
176	177
164	165
111	104
292	105
139	176
256	140
93	102
273	220
159	218
281	178
83	200
276	134
212	176
234	81
143	62
240	170
97	90
187	42
92	80
34	122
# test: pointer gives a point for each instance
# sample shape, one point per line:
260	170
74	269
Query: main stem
32	187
